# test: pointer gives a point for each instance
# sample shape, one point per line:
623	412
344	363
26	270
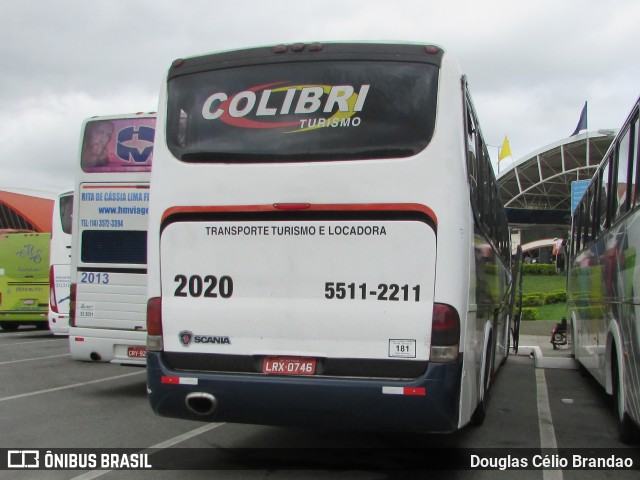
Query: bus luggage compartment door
323	288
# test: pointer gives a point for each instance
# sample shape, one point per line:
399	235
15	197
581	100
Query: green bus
24	278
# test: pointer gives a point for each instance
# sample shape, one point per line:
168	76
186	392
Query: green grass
546	284
543	283
554	312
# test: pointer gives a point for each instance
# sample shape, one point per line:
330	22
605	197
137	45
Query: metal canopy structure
536	189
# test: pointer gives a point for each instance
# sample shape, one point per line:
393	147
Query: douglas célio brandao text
550	461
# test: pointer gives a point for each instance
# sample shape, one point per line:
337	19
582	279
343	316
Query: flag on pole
582	123
505	151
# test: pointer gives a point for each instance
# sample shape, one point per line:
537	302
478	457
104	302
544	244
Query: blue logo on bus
135	144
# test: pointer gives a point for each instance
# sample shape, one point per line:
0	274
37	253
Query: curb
547	362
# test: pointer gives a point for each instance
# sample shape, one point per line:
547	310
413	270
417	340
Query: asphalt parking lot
48	401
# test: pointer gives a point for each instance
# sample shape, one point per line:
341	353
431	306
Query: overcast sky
531	65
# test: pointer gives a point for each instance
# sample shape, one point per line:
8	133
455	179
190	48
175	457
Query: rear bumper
25	318
329	402
58	324
95	344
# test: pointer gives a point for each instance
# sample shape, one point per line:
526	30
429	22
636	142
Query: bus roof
427	53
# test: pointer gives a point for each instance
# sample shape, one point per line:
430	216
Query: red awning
35	210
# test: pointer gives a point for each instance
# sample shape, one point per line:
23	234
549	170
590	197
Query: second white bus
604	277
327	246
109	261
60	264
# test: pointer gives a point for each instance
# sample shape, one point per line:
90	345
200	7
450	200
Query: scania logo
185	337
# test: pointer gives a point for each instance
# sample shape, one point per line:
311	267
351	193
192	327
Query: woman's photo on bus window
95	152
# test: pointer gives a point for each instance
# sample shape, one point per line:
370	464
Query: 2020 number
209	286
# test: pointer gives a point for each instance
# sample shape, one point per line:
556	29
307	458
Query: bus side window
472	156
476	168
590	212
621	200
585	221
486	197
575	237
579	222
491	198
603	208
595	208
635	171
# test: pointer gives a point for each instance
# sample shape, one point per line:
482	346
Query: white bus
327	246
109	260
60	264
604	276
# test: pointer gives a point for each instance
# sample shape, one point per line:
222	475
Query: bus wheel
627	430
9	326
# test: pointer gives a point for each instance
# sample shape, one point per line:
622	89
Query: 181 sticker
403	348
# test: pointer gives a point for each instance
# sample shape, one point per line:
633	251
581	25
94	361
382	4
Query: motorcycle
559	334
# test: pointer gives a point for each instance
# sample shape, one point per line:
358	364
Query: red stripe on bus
115	185
341	207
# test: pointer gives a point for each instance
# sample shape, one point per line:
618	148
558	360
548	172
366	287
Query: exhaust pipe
201	403
95	356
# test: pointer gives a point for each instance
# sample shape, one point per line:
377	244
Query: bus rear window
114	246
118	145
302	111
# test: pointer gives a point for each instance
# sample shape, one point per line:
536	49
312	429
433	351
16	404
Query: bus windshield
303	111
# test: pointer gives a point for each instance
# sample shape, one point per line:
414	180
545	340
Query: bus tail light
53	302
445	333
72	305
154	324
